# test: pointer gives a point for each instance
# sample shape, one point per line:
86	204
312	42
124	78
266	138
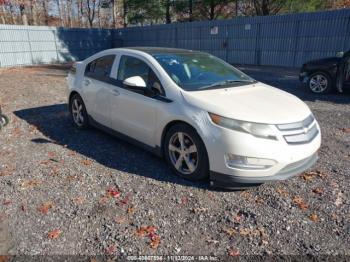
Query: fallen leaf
45	207
143	231
30	184
112	192
313	217
230	231
54	234
155	241
298	201
346	130
233	252
282	192
124	201
309	176
86	162
4	258
212	241
130	210
318	190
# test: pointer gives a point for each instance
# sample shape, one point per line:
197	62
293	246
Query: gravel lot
64	191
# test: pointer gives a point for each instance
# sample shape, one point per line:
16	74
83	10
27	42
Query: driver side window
130	66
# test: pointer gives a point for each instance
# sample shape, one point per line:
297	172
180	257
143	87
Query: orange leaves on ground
318	191
45	207
150	232
51	154
54	234
130	210
230	231
112	192
309	176
143	231
30	183
233	252
282	192
198	210
299	202
346	130
313	217
86	162
5	258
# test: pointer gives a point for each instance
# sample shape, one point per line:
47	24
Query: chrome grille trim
300	132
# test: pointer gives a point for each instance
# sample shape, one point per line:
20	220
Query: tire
194	164
320	83
78	112
3	121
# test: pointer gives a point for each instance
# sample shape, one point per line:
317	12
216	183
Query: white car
205	117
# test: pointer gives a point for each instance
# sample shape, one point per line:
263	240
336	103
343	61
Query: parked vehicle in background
324	75
201	114
3	119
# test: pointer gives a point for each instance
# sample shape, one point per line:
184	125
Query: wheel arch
171	124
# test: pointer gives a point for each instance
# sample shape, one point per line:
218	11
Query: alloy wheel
183	153
318	83
77	112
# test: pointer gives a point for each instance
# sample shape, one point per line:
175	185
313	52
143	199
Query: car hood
324	61
257	103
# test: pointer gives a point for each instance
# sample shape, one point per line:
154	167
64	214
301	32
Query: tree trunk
212	10
167	14
190	5
125	13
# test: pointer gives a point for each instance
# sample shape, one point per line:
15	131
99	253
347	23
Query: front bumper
232	181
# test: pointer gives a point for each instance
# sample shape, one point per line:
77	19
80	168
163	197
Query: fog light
245	162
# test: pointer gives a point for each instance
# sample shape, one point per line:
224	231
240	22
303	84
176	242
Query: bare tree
261	7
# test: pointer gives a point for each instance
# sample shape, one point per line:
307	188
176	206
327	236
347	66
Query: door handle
115	92
87	82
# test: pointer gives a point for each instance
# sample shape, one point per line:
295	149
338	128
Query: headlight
258	130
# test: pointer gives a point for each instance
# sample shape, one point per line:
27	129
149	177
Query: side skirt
154	150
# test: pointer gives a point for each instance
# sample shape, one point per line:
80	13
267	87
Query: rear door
97	88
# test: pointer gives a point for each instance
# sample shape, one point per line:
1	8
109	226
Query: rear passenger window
100	69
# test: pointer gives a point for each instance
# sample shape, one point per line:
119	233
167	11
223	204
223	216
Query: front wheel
320	83
185	153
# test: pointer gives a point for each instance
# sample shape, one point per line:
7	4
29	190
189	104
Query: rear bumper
231	181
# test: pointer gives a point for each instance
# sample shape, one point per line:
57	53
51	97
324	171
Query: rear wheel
78	112
185	153
320	83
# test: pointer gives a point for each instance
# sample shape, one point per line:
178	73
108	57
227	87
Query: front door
135	114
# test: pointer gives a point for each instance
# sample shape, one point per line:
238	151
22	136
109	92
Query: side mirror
340	54
135	82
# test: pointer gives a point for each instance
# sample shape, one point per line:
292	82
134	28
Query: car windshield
200	71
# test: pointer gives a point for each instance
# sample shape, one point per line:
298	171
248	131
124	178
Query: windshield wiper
226	82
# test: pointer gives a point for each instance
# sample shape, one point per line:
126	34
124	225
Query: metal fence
282	40
30	45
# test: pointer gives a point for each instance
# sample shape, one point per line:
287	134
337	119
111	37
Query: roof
162	50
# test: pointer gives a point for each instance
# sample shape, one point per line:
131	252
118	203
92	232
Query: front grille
300	132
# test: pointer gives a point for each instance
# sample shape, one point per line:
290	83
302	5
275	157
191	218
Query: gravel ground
64	191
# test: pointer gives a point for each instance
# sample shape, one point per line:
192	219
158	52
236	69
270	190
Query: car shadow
54	122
